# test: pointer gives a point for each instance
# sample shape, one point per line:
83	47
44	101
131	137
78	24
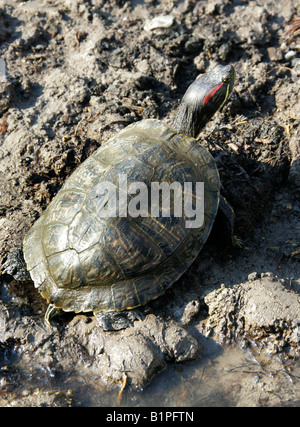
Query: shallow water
230	377
227	377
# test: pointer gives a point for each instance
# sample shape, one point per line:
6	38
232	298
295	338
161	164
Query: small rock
290	54
274	54
190	311
162	21
253	276
233	146
181	345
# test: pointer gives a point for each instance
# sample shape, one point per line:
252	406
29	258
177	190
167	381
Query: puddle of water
221	377
232	377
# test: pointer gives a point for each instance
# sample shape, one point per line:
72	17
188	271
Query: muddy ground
75	73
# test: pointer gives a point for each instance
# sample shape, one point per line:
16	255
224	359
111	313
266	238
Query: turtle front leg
114	321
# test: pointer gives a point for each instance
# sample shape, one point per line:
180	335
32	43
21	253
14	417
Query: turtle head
207	94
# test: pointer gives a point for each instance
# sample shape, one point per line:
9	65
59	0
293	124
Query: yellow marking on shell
115	261
164	228
177	164
159	282
136	293
151	238
121	241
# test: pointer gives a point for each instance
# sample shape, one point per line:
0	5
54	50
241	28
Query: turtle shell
83	262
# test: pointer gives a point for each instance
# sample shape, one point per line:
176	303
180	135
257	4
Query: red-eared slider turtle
85	255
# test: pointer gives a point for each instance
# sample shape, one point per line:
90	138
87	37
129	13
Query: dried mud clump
261	311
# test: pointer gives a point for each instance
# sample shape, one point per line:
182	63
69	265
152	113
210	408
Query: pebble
162	21
253	276
290	54
233	146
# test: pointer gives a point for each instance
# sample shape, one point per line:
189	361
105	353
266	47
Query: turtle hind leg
51	312
223	230
228	219
116	320
15	265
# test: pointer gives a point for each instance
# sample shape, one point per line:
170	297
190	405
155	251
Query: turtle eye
227	78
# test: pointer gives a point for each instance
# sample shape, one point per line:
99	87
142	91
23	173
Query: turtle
85	256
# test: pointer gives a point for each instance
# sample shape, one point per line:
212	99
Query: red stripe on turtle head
211	93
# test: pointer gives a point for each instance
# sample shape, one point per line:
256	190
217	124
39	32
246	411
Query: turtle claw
114	321
228	223
237	242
